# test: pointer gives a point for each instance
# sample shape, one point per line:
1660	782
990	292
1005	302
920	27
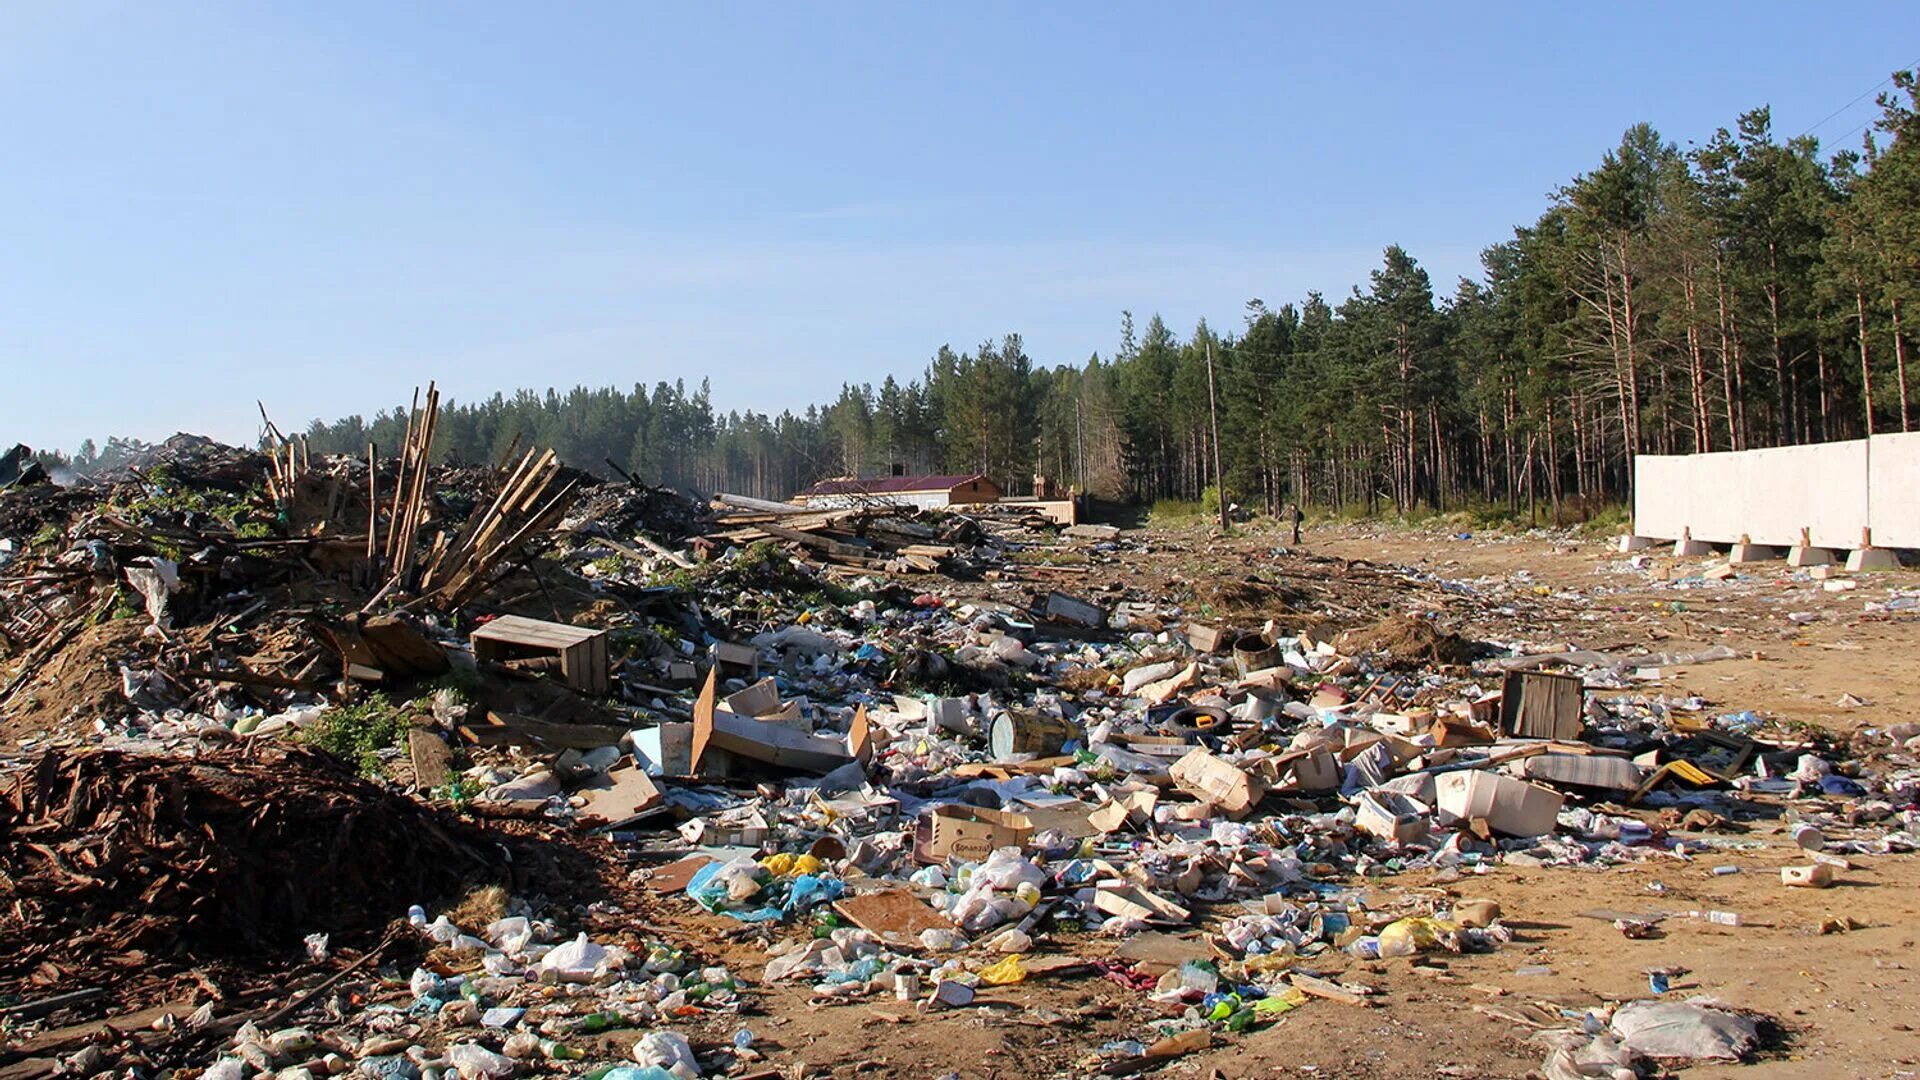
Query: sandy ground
1845	1002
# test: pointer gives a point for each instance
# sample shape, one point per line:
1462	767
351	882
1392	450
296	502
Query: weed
166	495
1174	513
358	732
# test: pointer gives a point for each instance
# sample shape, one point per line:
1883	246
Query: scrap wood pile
120	859
257	574
979	540
860	539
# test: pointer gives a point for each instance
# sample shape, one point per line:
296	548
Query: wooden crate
582	651
1542	705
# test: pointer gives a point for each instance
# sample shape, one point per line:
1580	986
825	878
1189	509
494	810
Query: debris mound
238	851
1408	641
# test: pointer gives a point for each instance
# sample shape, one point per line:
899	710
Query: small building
921	492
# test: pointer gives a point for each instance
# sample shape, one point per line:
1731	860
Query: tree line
1746	291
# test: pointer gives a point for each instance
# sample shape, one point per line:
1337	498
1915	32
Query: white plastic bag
574	961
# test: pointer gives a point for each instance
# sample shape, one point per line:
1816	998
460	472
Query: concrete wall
1894	490
1768	495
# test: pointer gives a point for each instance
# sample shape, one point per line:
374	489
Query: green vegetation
1172	513
357	733
165	494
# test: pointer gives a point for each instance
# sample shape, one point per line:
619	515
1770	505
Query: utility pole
1213	411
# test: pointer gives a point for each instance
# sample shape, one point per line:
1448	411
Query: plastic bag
1406	937
666	1050
476	1062
1677	1029
574	961
1005	973
510	935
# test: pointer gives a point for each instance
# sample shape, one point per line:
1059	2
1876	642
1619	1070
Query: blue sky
324	205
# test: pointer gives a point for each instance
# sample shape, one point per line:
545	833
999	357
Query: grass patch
357	733
1612	520
1050	557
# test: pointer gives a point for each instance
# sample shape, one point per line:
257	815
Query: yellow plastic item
1269	963
1405	937
1005	973
786	864
1286	1001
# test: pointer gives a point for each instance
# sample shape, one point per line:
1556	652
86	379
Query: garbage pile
899	753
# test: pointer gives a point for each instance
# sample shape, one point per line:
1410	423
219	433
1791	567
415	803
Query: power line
1870	90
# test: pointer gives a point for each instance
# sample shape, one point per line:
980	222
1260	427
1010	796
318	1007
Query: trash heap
898	753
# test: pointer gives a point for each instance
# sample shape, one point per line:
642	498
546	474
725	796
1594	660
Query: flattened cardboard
619	796
1132	902
674	876
894	915
1157	953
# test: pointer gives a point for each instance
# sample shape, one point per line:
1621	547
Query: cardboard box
1232	789
1120	811
1448	731
757	700
1204	638
968	833
1391	816
1392	723
731	655
1311	769
1509	806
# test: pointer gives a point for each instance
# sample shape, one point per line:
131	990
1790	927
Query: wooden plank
1323	988
432	759
505	728
520	630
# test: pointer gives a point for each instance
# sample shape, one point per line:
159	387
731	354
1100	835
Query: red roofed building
923	492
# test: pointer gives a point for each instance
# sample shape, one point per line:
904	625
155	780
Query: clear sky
324	204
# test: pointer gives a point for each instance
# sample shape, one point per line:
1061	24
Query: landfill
408	770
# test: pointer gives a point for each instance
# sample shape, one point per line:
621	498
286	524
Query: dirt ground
1844	1002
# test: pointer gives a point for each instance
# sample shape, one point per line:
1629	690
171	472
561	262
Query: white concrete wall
1894	490
1767	495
